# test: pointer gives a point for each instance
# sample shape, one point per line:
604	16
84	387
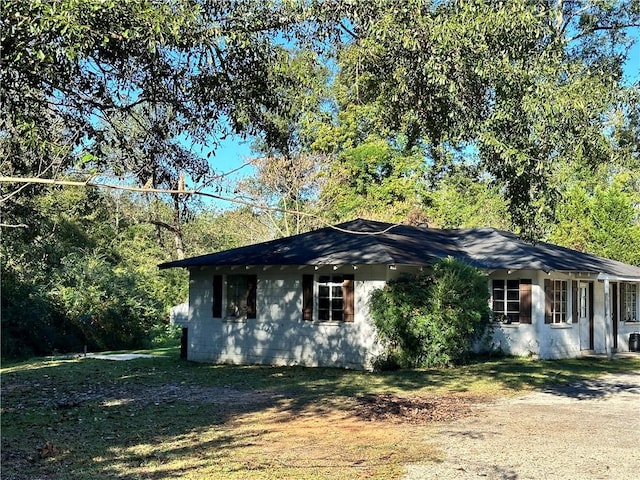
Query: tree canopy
455	113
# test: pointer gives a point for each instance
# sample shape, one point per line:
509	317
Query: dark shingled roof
365	242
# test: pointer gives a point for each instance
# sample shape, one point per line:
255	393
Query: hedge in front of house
433	318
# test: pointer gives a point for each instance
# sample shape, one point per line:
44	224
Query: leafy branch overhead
524	87
522	115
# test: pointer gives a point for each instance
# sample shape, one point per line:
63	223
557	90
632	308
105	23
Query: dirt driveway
589	430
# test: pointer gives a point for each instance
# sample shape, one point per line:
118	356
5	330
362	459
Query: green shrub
431	319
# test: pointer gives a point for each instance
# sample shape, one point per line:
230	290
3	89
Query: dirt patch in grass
415	410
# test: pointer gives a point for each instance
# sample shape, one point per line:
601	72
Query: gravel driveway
589	430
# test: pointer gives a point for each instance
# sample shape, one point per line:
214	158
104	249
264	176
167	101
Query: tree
373	179
465	198
286	181
601	218
83	272
92	69
528	85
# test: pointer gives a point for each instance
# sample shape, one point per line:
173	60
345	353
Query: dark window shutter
614	302
574	301
307	297
252	284
548	301
348	297
217	296
525	301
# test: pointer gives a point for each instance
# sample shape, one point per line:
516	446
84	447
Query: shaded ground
586	430
154	418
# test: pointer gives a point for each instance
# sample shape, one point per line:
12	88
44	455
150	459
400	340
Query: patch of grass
166	418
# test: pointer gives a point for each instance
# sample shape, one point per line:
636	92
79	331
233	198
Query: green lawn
166	418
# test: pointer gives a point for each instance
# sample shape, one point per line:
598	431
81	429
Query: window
628	302
330	298
511	301
334	295
555	301
240	298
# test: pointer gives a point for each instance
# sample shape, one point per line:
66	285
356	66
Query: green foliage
602	218
82	273
466	199
109	304
432	319
532	86
32	322
375	180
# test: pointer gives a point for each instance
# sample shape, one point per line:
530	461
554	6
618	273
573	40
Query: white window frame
504	315
629	309
331	284
560	298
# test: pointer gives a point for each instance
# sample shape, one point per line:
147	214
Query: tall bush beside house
432	319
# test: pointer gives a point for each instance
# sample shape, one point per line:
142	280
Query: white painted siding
550	341
279	335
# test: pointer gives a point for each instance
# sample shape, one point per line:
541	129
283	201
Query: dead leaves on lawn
415	410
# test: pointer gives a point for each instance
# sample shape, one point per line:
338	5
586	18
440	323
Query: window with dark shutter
217	296
548	301
512	300
241	296
335	298
525	301
307	297
252	284
555	301
348	297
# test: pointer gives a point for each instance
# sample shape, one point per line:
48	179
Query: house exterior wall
626	328
567	340
279	335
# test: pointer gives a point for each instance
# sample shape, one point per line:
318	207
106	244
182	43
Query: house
304	299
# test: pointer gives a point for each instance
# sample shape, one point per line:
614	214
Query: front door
584	317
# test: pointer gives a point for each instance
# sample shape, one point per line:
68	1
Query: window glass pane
498	294
237	289
513	295
330	298
513	306
559	301
629	302
513	284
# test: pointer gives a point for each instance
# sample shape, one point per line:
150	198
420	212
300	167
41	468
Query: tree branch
71	183
603	27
